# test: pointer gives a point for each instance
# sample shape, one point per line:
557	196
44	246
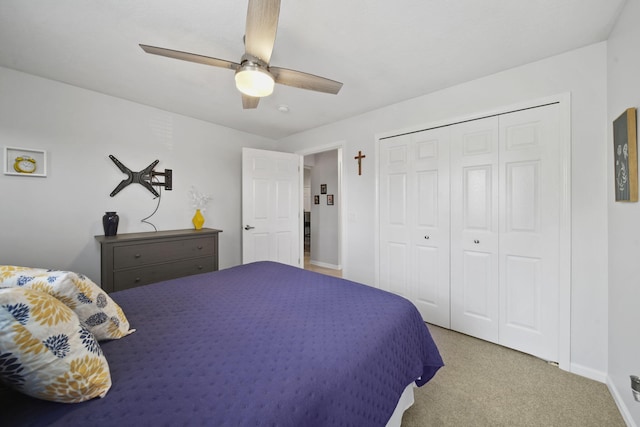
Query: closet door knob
476	241
426	237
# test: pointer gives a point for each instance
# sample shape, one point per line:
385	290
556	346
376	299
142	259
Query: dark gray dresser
136	259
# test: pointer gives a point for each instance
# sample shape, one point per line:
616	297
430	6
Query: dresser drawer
125	279
158	252
135	259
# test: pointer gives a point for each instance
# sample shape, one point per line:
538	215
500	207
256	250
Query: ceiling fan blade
262	24
249	102
191	57
304	80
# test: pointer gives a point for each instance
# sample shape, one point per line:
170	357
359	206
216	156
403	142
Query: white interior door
271	206
414	221
474	229
530	231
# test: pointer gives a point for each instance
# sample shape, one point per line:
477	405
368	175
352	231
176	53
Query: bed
259	344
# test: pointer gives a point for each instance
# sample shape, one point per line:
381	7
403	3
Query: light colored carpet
484	384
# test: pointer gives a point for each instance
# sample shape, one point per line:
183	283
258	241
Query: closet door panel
477	278
474	228
426	262
425	286
394	221
430	234
522	198
414	216
396	256
427	202
477	198
529	235
523	293
397	195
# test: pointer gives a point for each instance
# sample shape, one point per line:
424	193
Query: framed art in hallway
625	156
316	200
330	199
323	188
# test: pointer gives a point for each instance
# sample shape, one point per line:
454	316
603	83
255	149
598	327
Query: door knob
426	237
248	227
476	241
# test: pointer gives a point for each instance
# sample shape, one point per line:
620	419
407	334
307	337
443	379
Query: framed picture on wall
323	188
316	200
25	162
329	199
625	156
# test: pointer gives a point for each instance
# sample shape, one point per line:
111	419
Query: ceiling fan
254	77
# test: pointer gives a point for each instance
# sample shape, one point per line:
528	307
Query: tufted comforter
261	344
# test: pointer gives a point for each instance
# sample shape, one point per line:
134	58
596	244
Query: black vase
110	223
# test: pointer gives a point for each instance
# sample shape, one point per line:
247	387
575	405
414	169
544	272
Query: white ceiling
383	51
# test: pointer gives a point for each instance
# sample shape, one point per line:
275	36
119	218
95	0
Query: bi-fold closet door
414	221
469	226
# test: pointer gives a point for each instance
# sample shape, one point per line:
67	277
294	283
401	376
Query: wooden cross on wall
359	158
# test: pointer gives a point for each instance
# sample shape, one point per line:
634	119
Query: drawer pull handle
137	256
137	279
476	241
199	247
199	267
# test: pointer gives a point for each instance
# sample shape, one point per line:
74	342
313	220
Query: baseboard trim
592	374
325	265
622	407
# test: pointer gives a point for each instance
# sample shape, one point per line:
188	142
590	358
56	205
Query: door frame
564	292
339	146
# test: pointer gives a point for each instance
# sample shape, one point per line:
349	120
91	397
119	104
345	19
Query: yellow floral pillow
101	315
46	352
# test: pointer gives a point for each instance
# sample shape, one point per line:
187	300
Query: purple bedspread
259	344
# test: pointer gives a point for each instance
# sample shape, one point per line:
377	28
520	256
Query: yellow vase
198	220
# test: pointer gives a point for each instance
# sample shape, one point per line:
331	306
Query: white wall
624	218
51	222
325	224
581	72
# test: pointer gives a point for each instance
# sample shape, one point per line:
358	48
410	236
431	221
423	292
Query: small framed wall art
625	156
323	188
25	162
330	199
316	200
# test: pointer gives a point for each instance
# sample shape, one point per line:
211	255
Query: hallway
317	269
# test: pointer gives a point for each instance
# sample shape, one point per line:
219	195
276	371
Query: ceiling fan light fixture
254	77
254	80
